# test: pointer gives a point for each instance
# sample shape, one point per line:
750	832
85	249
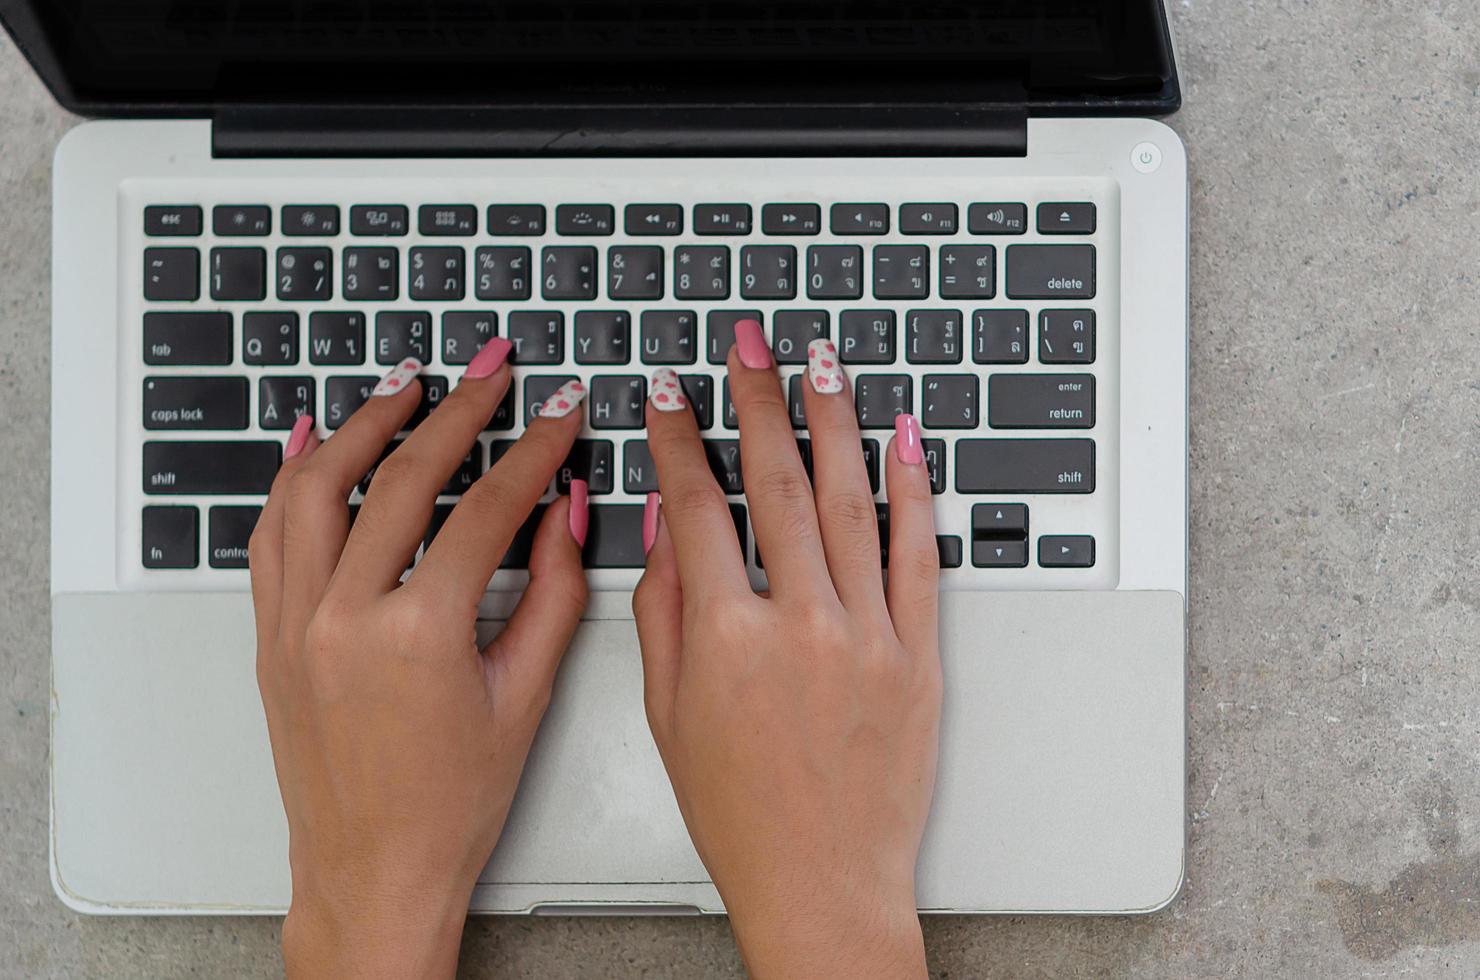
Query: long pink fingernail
580	511
907	440
650	522
488	360
298	438
754	351
398	378
823	368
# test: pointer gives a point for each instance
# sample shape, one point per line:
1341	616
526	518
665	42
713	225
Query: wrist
374	933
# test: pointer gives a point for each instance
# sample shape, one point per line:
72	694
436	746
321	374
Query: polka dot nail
666	393
823	367
398	378
564	401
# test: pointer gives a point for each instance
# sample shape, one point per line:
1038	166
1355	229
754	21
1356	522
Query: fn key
171	537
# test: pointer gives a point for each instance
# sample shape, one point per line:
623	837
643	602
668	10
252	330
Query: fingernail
823	367
754	352
298	438
488	360
580	511
667	392
398	377
564	401
650	522
907	440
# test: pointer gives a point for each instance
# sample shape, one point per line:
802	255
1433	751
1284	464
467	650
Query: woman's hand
398	742
799	728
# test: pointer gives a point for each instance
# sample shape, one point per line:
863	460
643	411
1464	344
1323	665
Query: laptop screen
190	55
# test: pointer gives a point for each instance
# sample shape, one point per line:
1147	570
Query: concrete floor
1335	586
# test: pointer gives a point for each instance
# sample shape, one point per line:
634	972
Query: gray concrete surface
1335	587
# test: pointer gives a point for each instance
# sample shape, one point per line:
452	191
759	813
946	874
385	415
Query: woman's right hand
799	728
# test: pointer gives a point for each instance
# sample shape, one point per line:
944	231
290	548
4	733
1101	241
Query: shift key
1051	271
211	468
1025	466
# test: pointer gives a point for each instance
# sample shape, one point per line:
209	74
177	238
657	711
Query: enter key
1041	401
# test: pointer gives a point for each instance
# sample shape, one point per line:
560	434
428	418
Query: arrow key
999	520
1004	553
1066	551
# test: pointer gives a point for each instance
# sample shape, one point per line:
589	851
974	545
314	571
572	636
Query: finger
845	500
467	551
528	652
316	515
694	508
265	548
781	504
914	562
393	520
657	605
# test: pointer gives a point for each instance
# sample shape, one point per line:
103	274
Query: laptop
276	200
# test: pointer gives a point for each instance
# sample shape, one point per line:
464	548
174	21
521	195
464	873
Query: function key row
600	220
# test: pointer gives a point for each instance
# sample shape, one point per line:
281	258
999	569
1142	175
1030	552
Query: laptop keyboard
984	314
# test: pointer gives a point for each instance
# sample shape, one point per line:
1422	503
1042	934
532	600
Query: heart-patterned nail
564	401
398	377
666	392
823	367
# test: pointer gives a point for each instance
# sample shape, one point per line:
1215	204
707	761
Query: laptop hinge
619	130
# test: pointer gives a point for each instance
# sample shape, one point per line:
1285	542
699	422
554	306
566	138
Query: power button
1146	158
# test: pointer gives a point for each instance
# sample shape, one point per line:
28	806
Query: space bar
614	539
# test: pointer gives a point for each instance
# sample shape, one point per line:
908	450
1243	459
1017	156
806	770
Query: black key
653	219
1066	219
948	549
699	390
999	553
866	336
195	403
310	220
768	272
880	397
371	274
737	514
935	463
336	338
464	333
1066	551
634	272
730	418
933	336
949	401
379	220
927	219
280	400
523	544
999	521
639	474
305	274
871	463
721	329
670	337
791	219
804	450
793	330
724	462
344	396
402	335
231	529
171	274
568	272
614	537
238	274
859	219
516	220
968	271
584	219
1041	401
617	401
436	274
539	387
187	338
1051	272
835	272
603	337
722	219
901	271
241	220
591	460
447	220
434	388
503	416
997	219
999	337
268	339
881	522
210	468
1066	336
440	514
1025	466
538	338
171	537
172	221
502	272
701	272
796	402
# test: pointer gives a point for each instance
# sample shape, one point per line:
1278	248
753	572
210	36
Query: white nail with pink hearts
823	368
